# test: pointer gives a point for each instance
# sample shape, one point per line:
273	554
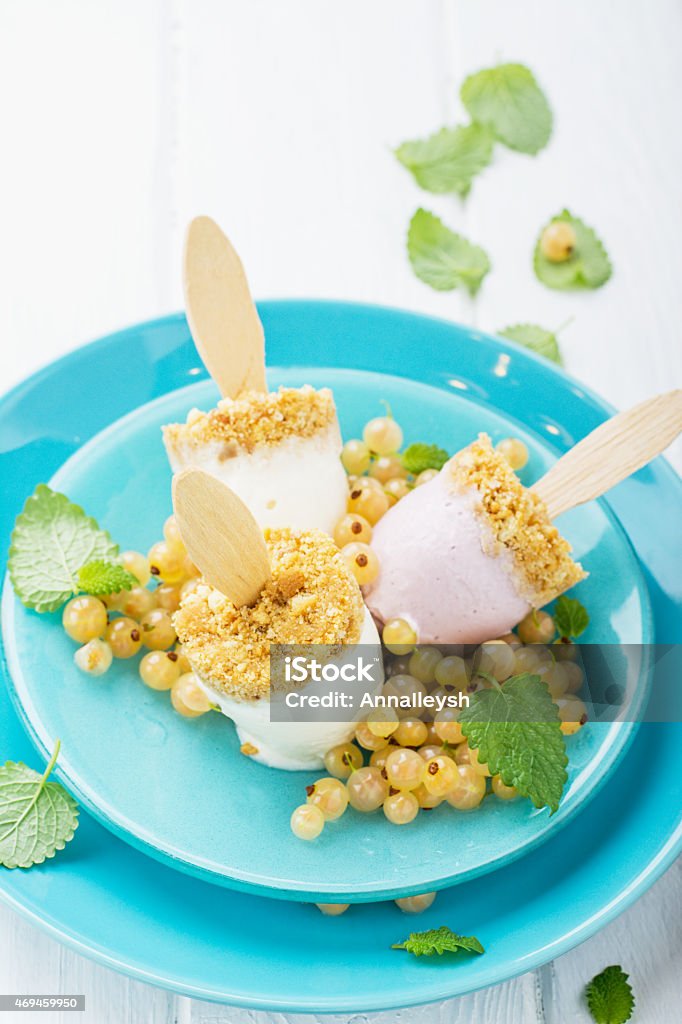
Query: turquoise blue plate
108	901
181	790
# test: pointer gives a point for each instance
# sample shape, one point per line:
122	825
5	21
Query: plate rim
667	850
618	735
178	317
666	856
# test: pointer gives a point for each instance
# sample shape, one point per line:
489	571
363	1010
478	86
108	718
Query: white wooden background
123	118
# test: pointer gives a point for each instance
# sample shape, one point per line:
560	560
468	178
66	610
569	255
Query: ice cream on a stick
278	451
281	587
466	556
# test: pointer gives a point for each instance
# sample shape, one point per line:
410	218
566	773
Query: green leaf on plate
508	100
570	617
443	259
537	339
516	729
448	160
419	456
439	940
52	540
103	577
37	817
587	267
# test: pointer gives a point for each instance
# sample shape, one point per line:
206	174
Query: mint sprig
587	267
570	617
609	996
516	729
537	339
52	540
103	577
37	817
448	160
418	457
443	259
510	103
439	940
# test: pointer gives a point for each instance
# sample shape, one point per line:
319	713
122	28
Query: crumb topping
311	598
519	522
255	418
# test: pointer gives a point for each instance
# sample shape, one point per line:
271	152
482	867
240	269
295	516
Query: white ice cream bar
464	557
293	746
279	452
311	599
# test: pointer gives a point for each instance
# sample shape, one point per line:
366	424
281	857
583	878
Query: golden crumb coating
255	418
519	521
311	598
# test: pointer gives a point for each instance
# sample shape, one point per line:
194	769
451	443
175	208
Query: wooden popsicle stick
222	317
612	452
221	536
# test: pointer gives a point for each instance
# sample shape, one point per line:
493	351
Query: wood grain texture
220	311
611	453
32	962
223	539
128	118
85	193
512	1003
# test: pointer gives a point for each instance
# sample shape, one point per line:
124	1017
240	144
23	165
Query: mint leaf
443	259
609	996
516	729
587	267
418	456
570	617
51	541
37	817
537	339
508	101
448	160
101	577
439	940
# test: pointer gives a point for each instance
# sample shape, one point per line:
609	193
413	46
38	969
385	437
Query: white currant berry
405	768
383	435
307	822
330	795
401	807
367	789
468	790
332	909
84	618
416	904
341	760
398	636
94	658
355	457
558	241
514	451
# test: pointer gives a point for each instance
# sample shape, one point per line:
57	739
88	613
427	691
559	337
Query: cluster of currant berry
121	625
408	904
418	760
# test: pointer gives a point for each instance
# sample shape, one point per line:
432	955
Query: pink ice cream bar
466	556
